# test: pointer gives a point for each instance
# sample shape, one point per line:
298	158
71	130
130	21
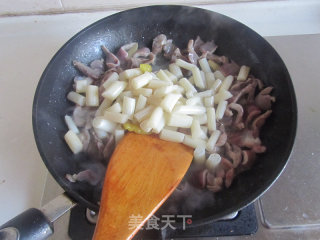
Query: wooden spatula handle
141	175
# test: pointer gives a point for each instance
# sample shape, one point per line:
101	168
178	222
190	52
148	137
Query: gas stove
290	208
82	224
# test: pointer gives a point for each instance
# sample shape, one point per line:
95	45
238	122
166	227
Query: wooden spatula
142	173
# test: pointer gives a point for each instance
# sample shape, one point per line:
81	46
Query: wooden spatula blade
142	173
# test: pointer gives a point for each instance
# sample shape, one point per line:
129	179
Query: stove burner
244	222
92	216
240	223
229	217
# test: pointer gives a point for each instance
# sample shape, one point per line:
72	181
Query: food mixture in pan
205	101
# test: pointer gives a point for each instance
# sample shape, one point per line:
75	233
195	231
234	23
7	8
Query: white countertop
27	44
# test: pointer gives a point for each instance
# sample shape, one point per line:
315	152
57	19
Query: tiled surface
29	6
275	18
70	5
34	7
26	46
26	7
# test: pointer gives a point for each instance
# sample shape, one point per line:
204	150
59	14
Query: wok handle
36	224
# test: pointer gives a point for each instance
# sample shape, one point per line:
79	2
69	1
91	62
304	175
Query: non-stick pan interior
181	24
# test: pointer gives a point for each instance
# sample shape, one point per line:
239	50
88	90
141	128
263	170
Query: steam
187	199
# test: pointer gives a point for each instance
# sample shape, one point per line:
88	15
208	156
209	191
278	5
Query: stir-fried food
205	101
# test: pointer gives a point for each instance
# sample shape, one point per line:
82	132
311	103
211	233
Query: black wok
180	23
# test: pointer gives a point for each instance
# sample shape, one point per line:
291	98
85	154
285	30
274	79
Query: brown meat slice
220	173
228	112
93	174
95	147
246	90
223	136
126	48
248	158
229	177
230	68
214	188
259	148
145	53
192	55
85	138
210	177
82	115
208	47
226	164
111	60
178	55
142	55
234	153
259	82
227	120
199	178
263	100
123	55
109	147
98	64
238	122
168	49
251	111
222	139
214	184
217	59
251	94
259	122
246	139
201	47
158	43
237	86
93	73
87	176
197	44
